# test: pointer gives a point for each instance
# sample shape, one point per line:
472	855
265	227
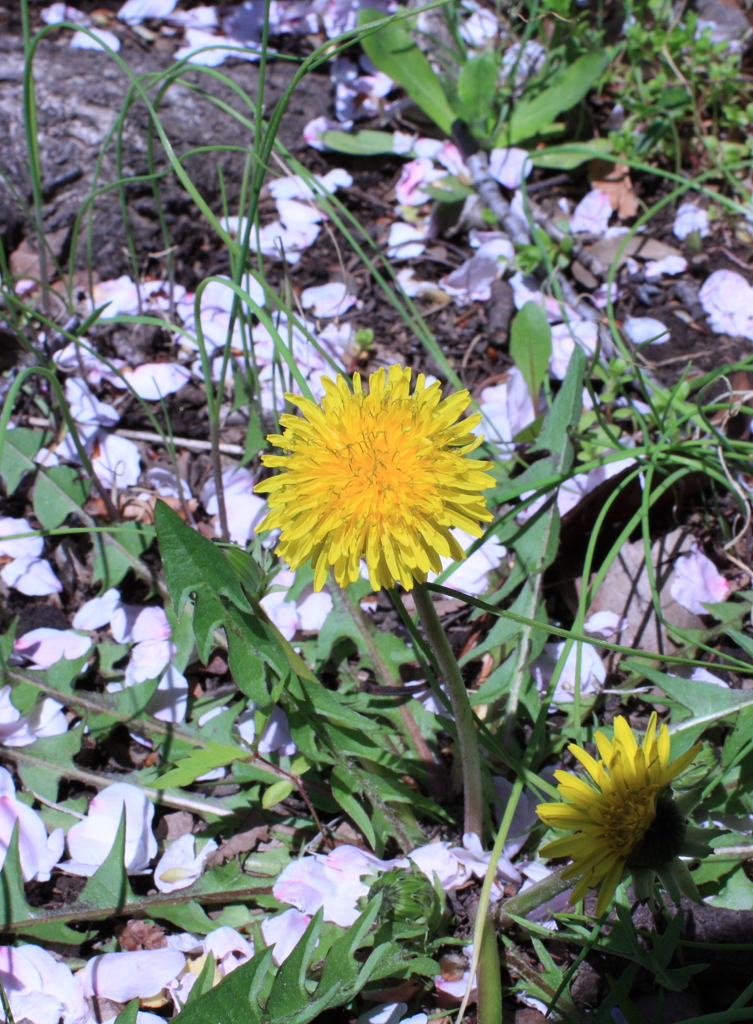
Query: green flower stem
489	1006
525	902
470	757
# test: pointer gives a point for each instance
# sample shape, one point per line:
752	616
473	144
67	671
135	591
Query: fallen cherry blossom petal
592	671
643	330
34	577
592	213
332	299
229	947
152	381
85	408
34	846
90	840
471	281
41	988
97	612
727	299
414	175
604	624
314	130
180	865
276	737
414	287
169	702
690	218
19	547
437	859
471	576
284	931
406	241
46	646
670	265
697	582
58	12
102	38
46	718
564	339
133	975
510	166
148	659
133	12
210	50
116	461
294	186
480	30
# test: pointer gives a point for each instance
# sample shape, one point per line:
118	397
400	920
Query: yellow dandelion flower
381	476
623	817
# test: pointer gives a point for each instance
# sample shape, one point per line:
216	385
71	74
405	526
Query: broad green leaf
530	117
737	894
531	346
245	568
21	445
276	793
58	491
394	52
448	190
115	554
193	563
109	885
199	762
571	155
363	143
477	85
342	789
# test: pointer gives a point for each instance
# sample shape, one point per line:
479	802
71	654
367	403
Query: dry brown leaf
136	934
614	179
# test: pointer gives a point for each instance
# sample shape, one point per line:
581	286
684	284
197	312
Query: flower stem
534	896
470	758
489	978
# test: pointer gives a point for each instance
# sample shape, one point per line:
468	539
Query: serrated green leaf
205	980
21	445
531	346
530	117
57	751
59	491
52	931
289	993
13	905
129	1014
394	52
342	790
109	885
193	563
200	761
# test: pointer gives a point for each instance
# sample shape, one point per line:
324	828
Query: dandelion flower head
379	475
623	816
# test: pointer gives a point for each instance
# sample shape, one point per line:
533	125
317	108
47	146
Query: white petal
148	659
592	213
81	41
727	299
170	701
98	612
116	461
153	381
31	576
697	581
690	218
328	299
179	865
642	329
21	547
137	975
90	840
284	932
151	624
133	12
46	646
510	166
85	408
